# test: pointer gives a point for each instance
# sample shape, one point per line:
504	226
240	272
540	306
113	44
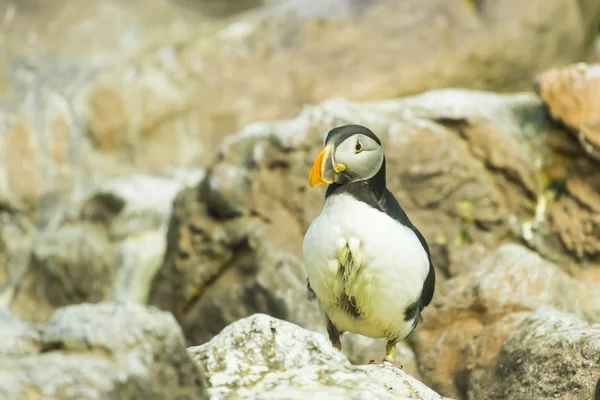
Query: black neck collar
371	190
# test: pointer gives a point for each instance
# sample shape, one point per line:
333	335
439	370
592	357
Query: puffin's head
351	153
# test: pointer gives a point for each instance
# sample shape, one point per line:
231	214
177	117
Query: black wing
310	295
393	209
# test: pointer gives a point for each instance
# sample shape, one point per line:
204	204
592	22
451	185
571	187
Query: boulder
549	355
474	313
106	244
572	94
162	87
71	265
458	161
572	97
107	350
261	357
136	210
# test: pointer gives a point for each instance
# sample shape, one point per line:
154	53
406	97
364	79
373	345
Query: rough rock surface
474	313
572	94
16	236
576	214
261	357
549	355
71	265
17	338
79	102
459	162
106	244
53	52
95	352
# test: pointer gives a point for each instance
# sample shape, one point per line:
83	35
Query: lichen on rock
261	357
474	313
549	355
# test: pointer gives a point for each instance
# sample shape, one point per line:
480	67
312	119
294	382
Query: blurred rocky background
154	195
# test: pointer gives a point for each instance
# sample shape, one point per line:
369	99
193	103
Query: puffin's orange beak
317	172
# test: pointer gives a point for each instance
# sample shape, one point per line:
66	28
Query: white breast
395	266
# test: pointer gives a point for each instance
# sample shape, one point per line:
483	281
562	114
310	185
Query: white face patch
361	156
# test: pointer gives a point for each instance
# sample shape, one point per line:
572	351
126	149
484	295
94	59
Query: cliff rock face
476	172
132	169
459	162
80	102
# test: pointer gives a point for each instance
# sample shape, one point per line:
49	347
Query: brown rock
549	355
67	127
390	48
480	354
573	96
59	150
107	122
5	86
574	217
473	313
221	266
164	84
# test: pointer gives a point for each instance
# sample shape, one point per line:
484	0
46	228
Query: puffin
367	265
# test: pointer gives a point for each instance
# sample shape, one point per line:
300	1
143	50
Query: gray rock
550	355
260	357
225	190
16	236
17	338
136	210
133	203
473	314
106	245
73	264
108	350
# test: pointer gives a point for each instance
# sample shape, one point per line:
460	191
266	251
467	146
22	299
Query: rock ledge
261	357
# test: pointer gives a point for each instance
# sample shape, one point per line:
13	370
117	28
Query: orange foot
373	362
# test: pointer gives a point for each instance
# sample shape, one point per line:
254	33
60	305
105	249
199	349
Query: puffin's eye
358	147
